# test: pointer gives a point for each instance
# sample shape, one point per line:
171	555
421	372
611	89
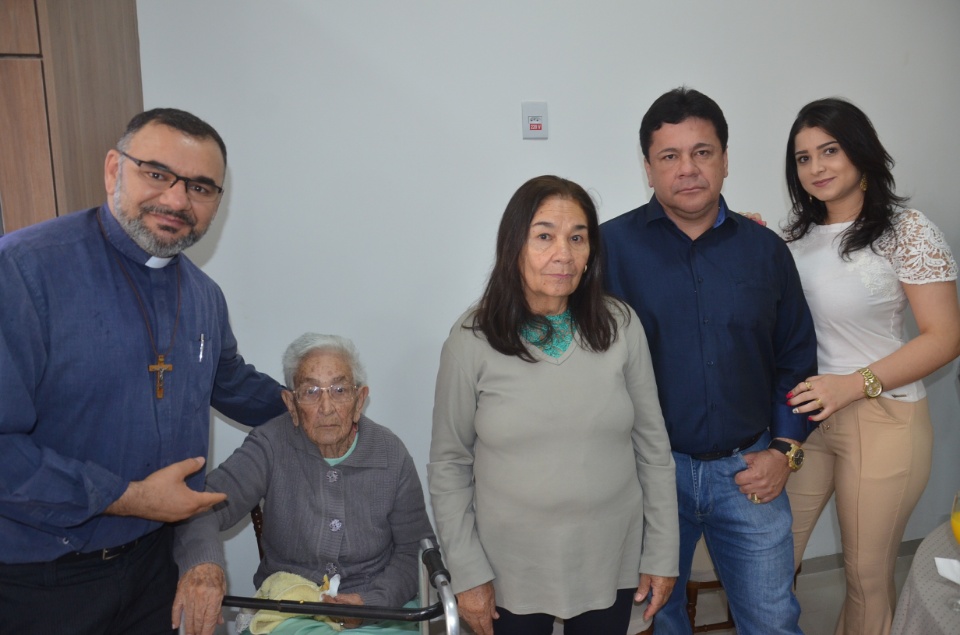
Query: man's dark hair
679	105
178	120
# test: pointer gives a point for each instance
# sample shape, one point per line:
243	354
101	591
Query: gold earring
863	183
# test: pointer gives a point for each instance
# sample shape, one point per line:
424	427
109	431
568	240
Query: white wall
374	144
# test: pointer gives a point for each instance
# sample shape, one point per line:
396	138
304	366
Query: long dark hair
503	310
857	137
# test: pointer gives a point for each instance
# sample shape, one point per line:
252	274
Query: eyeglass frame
328	390
203	180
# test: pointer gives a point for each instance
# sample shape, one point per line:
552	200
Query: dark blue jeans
751	546
130	594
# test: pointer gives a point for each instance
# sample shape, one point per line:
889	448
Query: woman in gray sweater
340	496
550	474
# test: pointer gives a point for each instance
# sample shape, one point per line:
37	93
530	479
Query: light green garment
310	626
561	335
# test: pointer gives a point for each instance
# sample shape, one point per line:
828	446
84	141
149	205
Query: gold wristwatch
794	453
871	385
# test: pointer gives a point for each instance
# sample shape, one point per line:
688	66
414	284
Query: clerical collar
156	262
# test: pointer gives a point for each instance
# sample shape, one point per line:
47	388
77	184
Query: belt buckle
115	552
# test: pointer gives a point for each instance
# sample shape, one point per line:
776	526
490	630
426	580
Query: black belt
722	454
105	554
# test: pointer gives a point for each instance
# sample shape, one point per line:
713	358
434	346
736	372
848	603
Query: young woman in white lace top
863	258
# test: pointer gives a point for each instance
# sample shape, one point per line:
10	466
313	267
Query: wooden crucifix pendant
159	369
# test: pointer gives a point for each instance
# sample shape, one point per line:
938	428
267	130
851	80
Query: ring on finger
807	384
819	403
754	499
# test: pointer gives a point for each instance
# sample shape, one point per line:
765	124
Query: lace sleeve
917	250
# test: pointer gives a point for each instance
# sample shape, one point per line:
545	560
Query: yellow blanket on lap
292	587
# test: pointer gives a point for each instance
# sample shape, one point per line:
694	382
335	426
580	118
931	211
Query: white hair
312	342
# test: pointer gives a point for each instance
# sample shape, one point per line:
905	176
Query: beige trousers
875	454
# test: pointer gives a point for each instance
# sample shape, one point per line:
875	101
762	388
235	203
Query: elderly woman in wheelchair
340	493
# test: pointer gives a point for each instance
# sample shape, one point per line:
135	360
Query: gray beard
146	239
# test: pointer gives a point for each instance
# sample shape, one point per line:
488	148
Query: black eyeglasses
159	177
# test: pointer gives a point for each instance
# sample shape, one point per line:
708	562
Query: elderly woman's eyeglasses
159	177
338	393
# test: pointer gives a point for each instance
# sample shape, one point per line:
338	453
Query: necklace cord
143	309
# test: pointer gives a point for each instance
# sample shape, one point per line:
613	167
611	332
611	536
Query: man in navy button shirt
113	347
730	334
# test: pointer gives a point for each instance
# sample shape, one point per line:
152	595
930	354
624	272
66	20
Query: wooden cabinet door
69	81
26	177
18	28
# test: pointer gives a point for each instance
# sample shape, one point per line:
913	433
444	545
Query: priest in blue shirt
730	334
113	347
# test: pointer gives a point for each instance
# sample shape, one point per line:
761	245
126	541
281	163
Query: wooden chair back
256	515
